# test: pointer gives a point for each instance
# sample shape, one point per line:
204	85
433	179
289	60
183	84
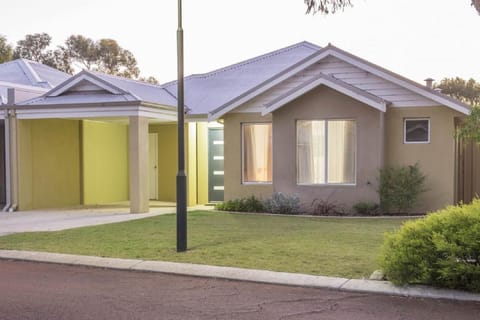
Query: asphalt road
49	291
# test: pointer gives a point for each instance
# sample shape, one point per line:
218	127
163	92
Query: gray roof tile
206	92
31	73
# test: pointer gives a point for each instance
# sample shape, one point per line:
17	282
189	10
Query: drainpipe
8	194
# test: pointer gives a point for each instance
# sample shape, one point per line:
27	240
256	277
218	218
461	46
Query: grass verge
345	247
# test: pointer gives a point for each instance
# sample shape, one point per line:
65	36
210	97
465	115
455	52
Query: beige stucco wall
324	103
436	159
234	188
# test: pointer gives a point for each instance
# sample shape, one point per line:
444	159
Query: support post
138	166
181	176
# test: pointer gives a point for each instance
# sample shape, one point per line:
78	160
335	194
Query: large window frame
326	148
243	168
429	127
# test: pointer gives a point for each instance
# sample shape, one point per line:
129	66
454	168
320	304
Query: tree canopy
332	6
104	55
326	6
476	4
6	51
467	91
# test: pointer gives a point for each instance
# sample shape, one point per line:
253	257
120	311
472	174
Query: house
321	122
20	80
318	122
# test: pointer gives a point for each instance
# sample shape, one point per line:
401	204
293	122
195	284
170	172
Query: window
326	151
257	152
416	131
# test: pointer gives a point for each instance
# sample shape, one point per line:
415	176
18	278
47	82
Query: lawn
345	247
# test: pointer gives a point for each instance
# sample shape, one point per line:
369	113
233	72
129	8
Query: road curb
251	275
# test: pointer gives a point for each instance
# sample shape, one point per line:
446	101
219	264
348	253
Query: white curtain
257	152
341	151
325	151
310	152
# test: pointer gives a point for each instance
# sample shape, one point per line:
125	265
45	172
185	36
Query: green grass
345	247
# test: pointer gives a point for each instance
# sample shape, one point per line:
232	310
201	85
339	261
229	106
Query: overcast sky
415	38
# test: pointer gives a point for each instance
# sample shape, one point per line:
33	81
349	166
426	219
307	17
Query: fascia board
92	112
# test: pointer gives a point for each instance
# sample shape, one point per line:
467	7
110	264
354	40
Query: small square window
416	131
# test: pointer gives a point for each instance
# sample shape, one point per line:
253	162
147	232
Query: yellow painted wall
49	163
191	157
167	160
202	162
196	162
105	162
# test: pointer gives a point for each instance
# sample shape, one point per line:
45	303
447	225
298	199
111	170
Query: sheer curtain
257	152
341	151
310	152
325	151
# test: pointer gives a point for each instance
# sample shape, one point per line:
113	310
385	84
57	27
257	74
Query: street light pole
181	176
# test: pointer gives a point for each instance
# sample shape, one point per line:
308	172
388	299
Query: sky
415	38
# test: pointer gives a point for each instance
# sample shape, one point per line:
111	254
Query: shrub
399	187
281	203
248	204
442	249
366	208
325	207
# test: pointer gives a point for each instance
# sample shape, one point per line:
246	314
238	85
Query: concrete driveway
61	219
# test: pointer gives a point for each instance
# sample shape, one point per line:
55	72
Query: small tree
399	187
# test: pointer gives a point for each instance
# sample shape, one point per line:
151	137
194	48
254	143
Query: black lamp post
181	175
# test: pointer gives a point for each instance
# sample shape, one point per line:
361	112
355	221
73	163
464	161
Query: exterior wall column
382	133
138	166
14	161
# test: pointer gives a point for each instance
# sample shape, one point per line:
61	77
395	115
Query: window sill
416	142
256	183
327	184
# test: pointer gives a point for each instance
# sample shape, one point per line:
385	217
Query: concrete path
250	275
61	219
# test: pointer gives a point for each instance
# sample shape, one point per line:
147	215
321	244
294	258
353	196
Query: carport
84	142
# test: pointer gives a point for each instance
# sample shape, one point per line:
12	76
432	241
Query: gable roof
381	72
206	92
94	87
221	91
31	73
331	82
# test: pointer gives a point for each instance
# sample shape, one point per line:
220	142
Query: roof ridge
254	59
248	61
157	86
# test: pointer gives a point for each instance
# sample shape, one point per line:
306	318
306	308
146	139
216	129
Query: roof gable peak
85	82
